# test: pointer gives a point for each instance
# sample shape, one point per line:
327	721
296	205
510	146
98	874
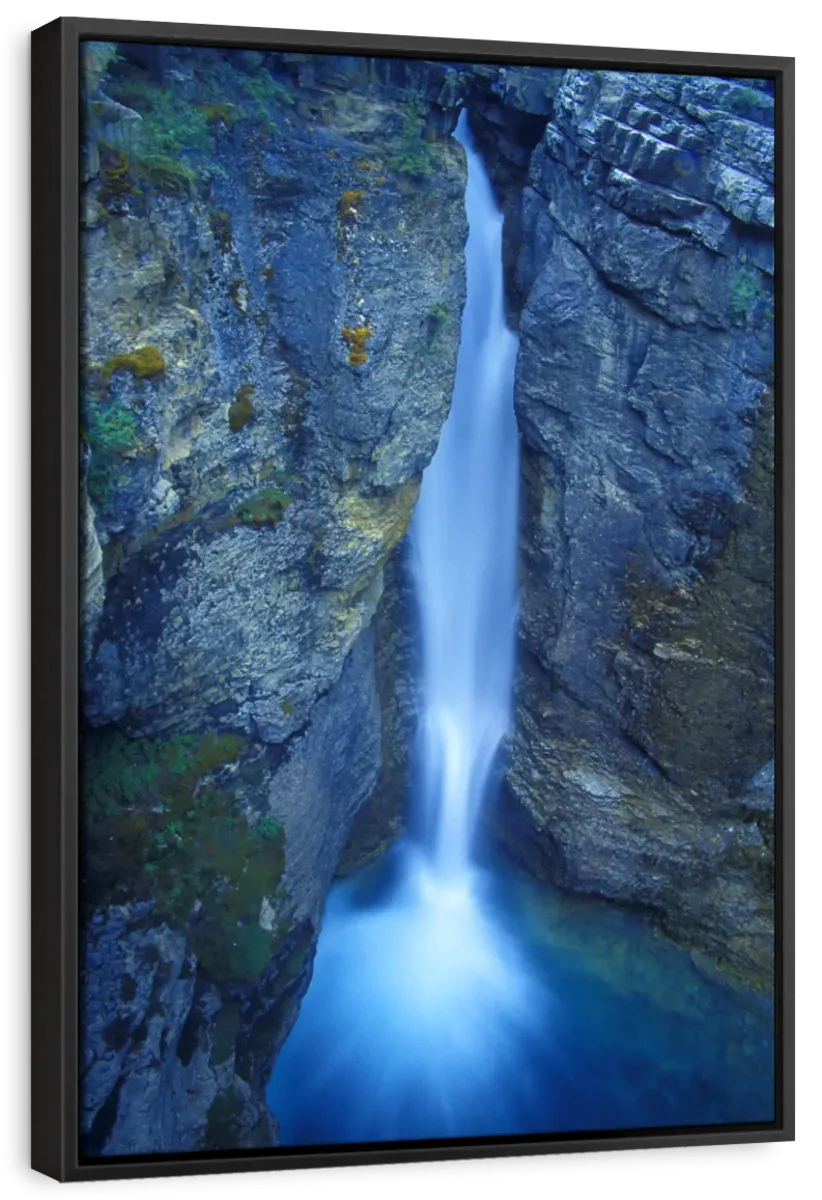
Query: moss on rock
163	824
146	362
242	410
267	507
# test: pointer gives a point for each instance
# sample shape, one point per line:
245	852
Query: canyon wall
641	258
273	285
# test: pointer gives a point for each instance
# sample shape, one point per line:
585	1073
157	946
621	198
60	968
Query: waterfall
464	536
420	998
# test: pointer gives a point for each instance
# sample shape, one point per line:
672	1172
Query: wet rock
645	695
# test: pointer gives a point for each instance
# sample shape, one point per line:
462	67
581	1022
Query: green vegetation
171	145
270	828
144	363
436	319
242	410
747	291
161	825
438	313
112	434
128	771
413	155
743	99
264	93
267	507
355	339
171	125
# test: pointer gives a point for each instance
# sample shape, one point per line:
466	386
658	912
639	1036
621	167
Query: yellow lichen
381	519
355	339
144	363
348	206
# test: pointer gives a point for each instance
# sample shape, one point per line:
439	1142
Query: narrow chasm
427	609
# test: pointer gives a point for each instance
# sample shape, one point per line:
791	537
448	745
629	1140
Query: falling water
464	540
427	988
443	1002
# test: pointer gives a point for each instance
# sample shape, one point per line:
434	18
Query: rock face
642	253
274	278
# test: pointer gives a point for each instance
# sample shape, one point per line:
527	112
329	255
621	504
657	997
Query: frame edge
47	973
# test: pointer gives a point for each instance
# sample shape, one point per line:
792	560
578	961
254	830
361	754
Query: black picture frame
55	534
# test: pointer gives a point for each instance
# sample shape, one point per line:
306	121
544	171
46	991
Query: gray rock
645	696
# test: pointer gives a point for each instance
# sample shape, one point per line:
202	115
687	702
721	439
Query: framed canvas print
412	542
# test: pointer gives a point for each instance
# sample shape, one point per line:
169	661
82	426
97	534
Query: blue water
452	998
528	1012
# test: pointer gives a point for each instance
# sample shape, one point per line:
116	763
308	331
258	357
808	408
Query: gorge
272	340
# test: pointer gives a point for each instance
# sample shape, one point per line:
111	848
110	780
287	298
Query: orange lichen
355	339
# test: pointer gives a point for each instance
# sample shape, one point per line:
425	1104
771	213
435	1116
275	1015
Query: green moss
171	127
438	313
436	319
162	823
749	293
355	339
743	99
220	223
111	432
264	94
123	772
146	362
242	410
269	828
412	154
266	507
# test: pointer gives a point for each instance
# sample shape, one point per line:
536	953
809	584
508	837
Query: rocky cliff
640	230
273	283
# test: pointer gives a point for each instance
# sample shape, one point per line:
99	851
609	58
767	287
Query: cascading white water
464	539
421	998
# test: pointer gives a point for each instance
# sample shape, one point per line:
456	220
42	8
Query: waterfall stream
454	999
464	540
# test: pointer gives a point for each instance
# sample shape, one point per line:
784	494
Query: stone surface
643	395
269	345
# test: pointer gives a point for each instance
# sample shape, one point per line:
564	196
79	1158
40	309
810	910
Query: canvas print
427	426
